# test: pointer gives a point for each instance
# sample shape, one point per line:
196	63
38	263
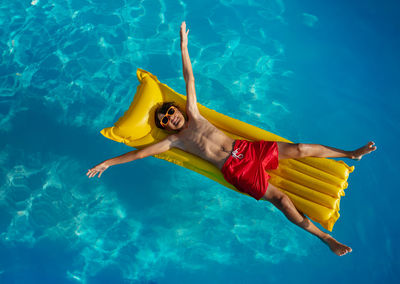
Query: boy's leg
301	150
284	204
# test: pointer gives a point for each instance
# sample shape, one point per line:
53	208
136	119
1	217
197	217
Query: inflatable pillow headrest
137	128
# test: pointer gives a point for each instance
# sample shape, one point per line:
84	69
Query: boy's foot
359	153
336	247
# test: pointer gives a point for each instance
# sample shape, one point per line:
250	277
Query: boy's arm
160	147
191	100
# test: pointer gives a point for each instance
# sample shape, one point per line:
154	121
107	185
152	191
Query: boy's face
176	120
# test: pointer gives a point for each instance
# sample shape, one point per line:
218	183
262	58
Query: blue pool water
311	71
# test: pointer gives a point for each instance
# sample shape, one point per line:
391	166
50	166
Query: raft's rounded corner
141	74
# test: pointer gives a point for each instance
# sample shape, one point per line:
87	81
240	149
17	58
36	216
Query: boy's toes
371	146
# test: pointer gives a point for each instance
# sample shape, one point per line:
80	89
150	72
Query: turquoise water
310	71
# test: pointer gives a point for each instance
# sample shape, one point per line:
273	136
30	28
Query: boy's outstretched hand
184	34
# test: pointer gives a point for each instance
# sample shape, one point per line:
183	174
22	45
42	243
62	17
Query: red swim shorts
245	167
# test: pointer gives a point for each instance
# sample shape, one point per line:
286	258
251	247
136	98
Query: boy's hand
100	168
184	34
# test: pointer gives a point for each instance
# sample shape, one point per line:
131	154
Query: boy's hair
163	109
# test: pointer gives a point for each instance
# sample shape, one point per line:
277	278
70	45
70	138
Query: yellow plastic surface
315	185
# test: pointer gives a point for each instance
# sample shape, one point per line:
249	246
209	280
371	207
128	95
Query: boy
242	163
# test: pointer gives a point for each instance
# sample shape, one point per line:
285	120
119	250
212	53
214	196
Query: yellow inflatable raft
315	185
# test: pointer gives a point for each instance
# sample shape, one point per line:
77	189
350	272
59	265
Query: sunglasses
164	121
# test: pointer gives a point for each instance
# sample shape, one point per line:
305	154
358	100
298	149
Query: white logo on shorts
235	154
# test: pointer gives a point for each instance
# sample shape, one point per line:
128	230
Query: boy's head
169	117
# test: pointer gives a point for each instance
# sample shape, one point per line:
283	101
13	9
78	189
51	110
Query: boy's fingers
93	172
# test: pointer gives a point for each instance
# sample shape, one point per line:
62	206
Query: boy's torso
203	139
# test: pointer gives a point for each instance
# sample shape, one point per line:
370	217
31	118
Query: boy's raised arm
191	103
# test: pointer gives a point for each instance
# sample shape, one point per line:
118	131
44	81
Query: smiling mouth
175	121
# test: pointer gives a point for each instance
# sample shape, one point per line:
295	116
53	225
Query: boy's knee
302	150
285	202
282	202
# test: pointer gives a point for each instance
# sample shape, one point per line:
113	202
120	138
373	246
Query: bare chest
203	139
